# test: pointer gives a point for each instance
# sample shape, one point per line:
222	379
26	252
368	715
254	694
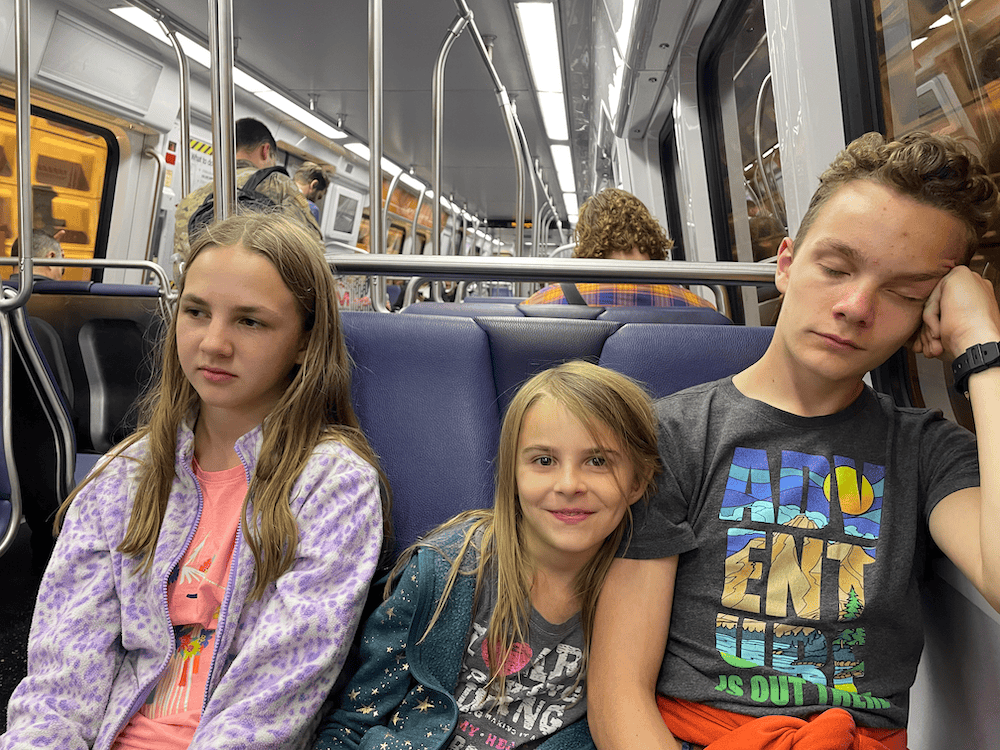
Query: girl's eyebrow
241	310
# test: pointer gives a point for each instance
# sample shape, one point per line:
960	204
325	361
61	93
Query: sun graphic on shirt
852	501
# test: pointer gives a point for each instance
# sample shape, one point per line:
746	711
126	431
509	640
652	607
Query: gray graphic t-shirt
543	693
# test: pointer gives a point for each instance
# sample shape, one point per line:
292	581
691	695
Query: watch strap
974	359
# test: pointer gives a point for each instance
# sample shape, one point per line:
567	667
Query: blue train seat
423	391
430	390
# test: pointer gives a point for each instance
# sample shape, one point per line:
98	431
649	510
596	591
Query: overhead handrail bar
503	98
564	269
458	24
223	129
161	168
22	126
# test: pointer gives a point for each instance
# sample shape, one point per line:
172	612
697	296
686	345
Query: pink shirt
195	592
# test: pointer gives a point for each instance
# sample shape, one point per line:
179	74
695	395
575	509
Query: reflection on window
749	140
940	72
68	174
939	65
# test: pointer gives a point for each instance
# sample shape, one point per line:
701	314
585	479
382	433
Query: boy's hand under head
961	312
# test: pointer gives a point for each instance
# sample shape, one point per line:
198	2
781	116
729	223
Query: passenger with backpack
262	186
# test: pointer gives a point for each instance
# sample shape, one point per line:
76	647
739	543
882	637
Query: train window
749	204
939	65
669	167
72	174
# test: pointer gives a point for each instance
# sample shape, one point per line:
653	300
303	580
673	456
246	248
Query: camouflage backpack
248	198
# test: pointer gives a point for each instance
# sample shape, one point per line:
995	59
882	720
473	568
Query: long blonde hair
315	406
598	398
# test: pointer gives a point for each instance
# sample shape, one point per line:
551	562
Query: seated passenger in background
312	181
210	574
42	246
617	226
483	643
771	596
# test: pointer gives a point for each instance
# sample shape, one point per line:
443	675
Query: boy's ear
785	251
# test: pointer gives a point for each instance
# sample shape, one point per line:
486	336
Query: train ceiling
320	49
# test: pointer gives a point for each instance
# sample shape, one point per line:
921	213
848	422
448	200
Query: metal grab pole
437	121
185	95
510	122
509	117
416	220
380	300
523	140
161	166
376	242
223	127
22	126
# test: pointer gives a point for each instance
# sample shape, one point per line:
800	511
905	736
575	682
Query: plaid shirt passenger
621	295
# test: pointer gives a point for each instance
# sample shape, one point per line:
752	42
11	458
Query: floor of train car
18	587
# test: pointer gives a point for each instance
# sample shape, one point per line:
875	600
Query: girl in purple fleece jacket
210	573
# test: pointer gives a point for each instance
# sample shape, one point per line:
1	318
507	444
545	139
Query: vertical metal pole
437	122
22	126
377	241
526	155
510	122
416	220
380	300
185	113
223	126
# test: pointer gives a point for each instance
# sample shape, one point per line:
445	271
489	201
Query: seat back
430	391
423	391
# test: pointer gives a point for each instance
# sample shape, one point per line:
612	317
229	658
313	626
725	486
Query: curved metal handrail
161	168
6	353
166	292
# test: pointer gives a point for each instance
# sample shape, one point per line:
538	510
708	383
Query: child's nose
216	339
570	480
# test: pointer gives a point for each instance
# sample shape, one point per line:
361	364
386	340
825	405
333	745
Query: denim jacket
403	695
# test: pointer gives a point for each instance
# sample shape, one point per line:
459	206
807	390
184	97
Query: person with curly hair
807	499
615	225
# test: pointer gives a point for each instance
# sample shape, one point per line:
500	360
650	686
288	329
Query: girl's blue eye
598	461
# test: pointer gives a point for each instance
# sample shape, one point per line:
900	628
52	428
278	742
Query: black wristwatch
975	359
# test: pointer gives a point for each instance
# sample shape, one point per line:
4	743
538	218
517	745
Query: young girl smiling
484	641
